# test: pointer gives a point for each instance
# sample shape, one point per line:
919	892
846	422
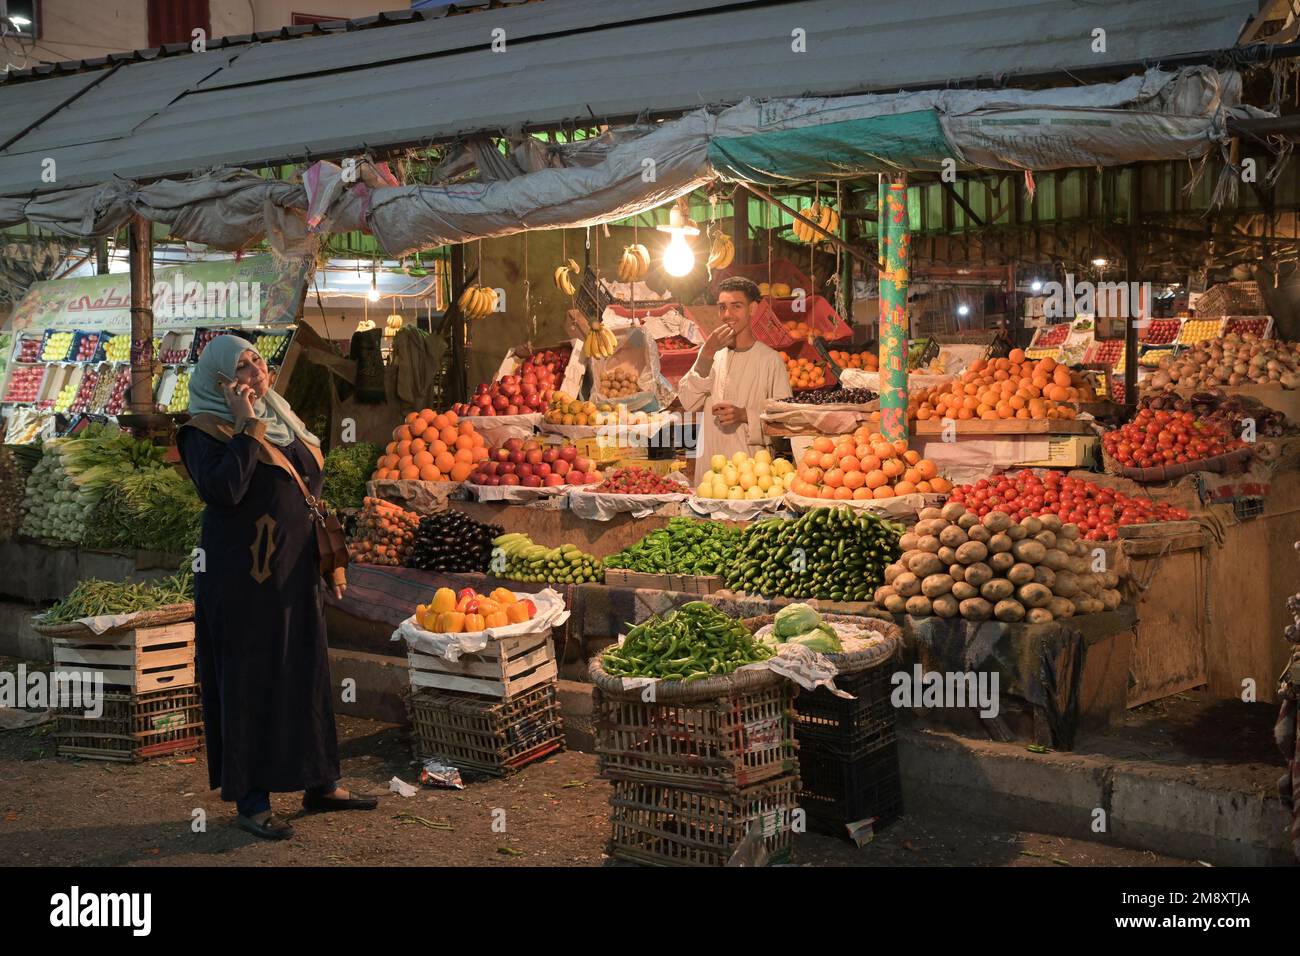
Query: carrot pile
385	533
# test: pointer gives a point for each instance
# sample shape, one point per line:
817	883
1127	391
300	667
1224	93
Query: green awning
895	142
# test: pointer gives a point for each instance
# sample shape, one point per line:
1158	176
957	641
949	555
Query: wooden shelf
1005	426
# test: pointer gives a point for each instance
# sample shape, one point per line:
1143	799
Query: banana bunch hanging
634	263
477	302
568	277
824	216
599	343
721	249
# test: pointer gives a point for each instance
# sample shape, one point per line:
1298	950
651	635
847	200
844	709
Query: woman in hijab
259	608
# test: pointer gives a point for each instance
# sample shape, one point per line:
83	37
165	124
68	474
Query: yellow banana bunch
634	263
721	249
568	276
477	302
824	216
599	343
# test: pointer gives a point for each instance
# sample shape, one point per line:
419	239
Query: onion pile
1232	360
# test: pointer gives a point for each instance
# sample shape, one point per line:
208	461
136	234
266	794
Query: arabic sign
254	291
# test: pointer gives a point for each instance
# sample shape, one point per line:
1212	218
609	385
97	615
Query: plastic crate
494	737
847	728
838	792
713	744
133	727
664	825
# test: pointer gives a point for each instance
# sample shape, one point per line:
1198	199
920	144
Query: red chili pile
1167	437
638	481
1098	511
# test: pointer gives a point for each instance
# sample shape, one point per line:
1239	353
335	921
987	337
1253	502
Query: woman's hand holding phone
239	399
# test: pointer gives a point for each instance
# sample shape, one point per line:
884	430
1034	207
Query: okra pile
830	553
689	643
683	546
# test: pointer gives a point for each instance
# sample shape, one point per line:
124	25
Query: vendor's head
737	299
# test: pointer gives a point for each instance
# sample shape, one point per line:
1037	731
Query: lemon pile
742	478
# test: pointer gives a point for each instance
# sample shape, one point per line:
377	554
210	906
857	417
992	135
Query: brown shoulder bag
330	539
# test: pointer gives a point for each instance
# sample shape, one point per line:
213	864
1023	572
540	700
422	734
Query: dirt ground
57	811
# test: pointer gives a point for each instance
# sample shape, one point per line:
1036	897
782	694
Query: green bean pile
682	547
690	643
93	597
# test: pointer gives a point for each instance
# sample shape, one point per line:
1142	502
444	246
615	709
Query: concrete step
1146	805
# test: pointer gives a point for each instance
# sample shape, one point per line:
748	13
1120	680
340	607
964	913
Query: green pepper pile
690	643
682	547
830	553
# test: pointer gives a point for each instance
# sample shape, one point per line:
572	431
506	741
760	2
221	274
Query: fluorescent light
1100	263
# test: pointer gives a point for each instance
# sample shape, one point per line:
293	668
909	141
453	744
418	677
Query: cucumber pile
828	553
517	558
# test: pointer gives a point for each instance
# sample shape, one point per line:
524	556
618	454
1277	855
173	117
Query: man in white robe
732	377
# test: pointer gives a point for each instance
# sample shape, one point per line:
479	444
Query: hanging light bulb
373	294
963	309
1036	285
679	258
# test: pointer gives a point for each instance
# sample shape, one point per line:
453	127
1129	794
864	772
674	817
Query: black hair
740	284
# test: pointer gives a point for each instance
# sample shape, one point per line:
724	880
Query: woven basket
878	652
171	614
737	682
1219	464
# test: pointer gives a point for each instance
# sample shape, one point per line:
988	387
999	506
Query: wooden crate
143	660
503	669
664	825
133	727
685	583
714	744
492	736
695	583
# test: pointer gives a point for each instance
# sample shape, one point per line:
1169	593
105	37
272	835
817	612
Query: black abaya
260	621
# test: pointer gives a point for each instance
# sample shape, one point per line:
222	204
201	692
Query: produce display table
1053	679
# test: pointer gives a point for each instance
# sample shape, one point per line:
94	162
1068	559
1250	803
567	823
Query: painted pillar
892	228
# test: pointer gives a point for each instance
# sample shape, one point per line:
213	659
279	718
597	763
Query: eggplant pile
452	541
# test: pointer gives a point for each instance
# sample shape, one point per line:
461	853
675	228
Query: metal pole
457	385
893	260
740	225
140	240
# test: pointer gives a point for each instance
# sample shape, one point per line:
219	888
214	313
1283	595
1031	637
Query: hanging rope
528	298
812	243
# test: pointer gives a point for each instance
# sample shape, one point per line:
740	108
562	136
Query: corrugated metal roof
250	102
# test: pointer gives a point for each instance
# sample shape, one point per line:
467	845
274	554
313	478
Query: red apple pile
1097	510
533	465
528	390
1165	437
638	481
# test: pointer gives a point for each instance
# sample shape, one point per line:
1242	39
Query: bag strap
280	459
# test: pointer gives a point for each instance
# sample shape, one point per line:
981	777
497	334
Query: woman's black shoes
272	828
324	804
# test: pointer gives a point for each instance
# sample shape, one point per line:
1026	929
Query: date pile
834	396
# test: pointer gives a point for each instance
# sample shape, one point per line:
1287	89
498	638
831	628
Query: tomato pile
639	481
1096	510
1167	437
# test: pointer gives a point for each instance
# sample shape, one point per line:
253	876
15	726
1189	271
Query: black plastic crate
847	728
838	792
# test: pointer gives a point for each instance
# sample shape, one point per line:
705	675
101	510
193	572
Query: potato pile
1235	359
956	564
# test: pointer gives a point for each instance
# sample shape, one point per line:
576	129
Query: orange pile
800	331
431	447
868	361
863	465
804	373
1011	387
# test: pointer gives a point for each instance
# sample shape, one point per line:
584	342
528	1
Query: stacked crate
493	711
698	768
150	705
848	754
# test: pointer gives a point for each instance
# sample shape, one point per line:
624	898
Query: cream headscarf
221	355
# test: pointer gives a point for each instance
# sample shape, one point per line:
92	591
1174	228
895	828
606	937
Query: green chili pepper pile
93	597
690	643
682	547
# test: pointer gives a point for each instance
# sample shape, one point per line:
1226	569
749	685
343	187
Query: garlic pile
1232	360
